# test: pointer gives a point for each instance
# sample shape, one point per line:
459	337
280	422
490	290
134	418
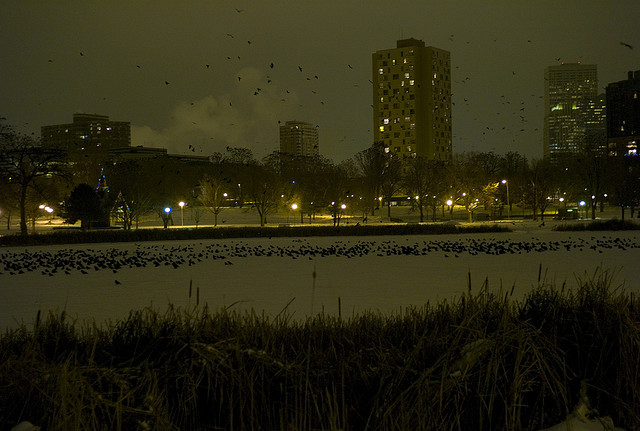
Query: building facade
623	116
412	100
87	134
87	142
299	139
575	115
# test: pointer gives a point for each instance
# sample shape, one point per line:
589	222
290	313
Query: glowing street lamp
181	204
166	215
505	182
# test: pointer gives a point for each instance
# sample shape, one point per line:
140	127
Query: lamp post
166	215
505	182
294	207
181	204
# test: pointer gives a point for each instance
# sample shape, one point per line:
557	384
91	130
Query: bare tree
371	164
24	161
542	180
212	195
422	179
262	186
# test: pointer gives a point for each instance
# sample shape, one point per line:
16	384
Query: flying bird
166	82
271	65
300	67
626	45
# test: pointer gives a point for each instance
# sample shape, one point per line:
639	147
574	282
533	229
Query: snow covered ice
105	281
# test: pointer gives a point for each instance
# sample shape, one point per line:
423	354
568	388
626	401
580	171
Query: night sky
212	74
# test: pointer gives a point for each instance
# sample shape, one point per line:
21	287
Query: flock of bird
73	260
501	128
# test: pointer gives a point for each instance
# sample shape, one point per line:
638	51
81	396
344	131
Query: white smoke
247	116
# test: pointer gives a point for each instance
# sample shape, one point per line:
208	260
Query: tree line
372	179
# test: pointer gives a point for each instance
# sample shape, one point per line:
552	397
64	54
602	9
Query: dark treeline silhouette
31	175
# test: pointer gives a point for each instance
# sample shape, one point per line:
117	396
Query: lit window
382	128
386	121
386	149
381	71
411	82
406	76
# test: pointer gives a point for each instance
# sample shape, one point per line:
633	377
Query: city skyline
217	74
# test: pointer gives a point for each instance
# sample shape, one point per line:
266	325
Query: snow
237	277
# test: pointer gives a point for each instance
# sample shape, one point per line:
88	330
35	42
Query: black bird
117	282
166	82
626	45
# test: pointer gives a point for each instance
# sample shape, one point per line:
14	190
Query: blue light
167	210
582	203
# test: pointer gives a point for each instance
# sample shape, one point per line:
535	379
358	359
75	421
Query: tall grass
484	361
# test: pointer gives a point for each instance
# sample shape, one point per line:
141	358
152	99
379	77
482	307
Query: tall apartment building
88	134
87	142
412	100
299	139
575	115
623	116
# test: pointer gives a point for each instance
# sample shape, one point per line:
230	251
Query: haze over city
216	74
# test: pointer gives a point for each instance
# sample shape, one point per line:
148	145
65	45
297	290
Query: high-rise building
87	142
575	117
89	134
623	116
299	139
412	100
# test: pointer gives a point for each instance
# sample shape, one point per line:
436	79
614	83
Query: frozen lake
105	281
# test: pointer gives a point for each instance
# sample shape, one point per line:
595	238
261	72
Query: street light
508	201
181	204
166	215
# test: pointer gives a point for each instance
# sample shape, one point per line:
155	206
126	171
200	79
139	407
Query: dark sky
114	57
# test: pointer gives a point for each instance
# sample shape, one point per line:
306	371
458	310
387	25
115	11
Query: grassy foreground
482	362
